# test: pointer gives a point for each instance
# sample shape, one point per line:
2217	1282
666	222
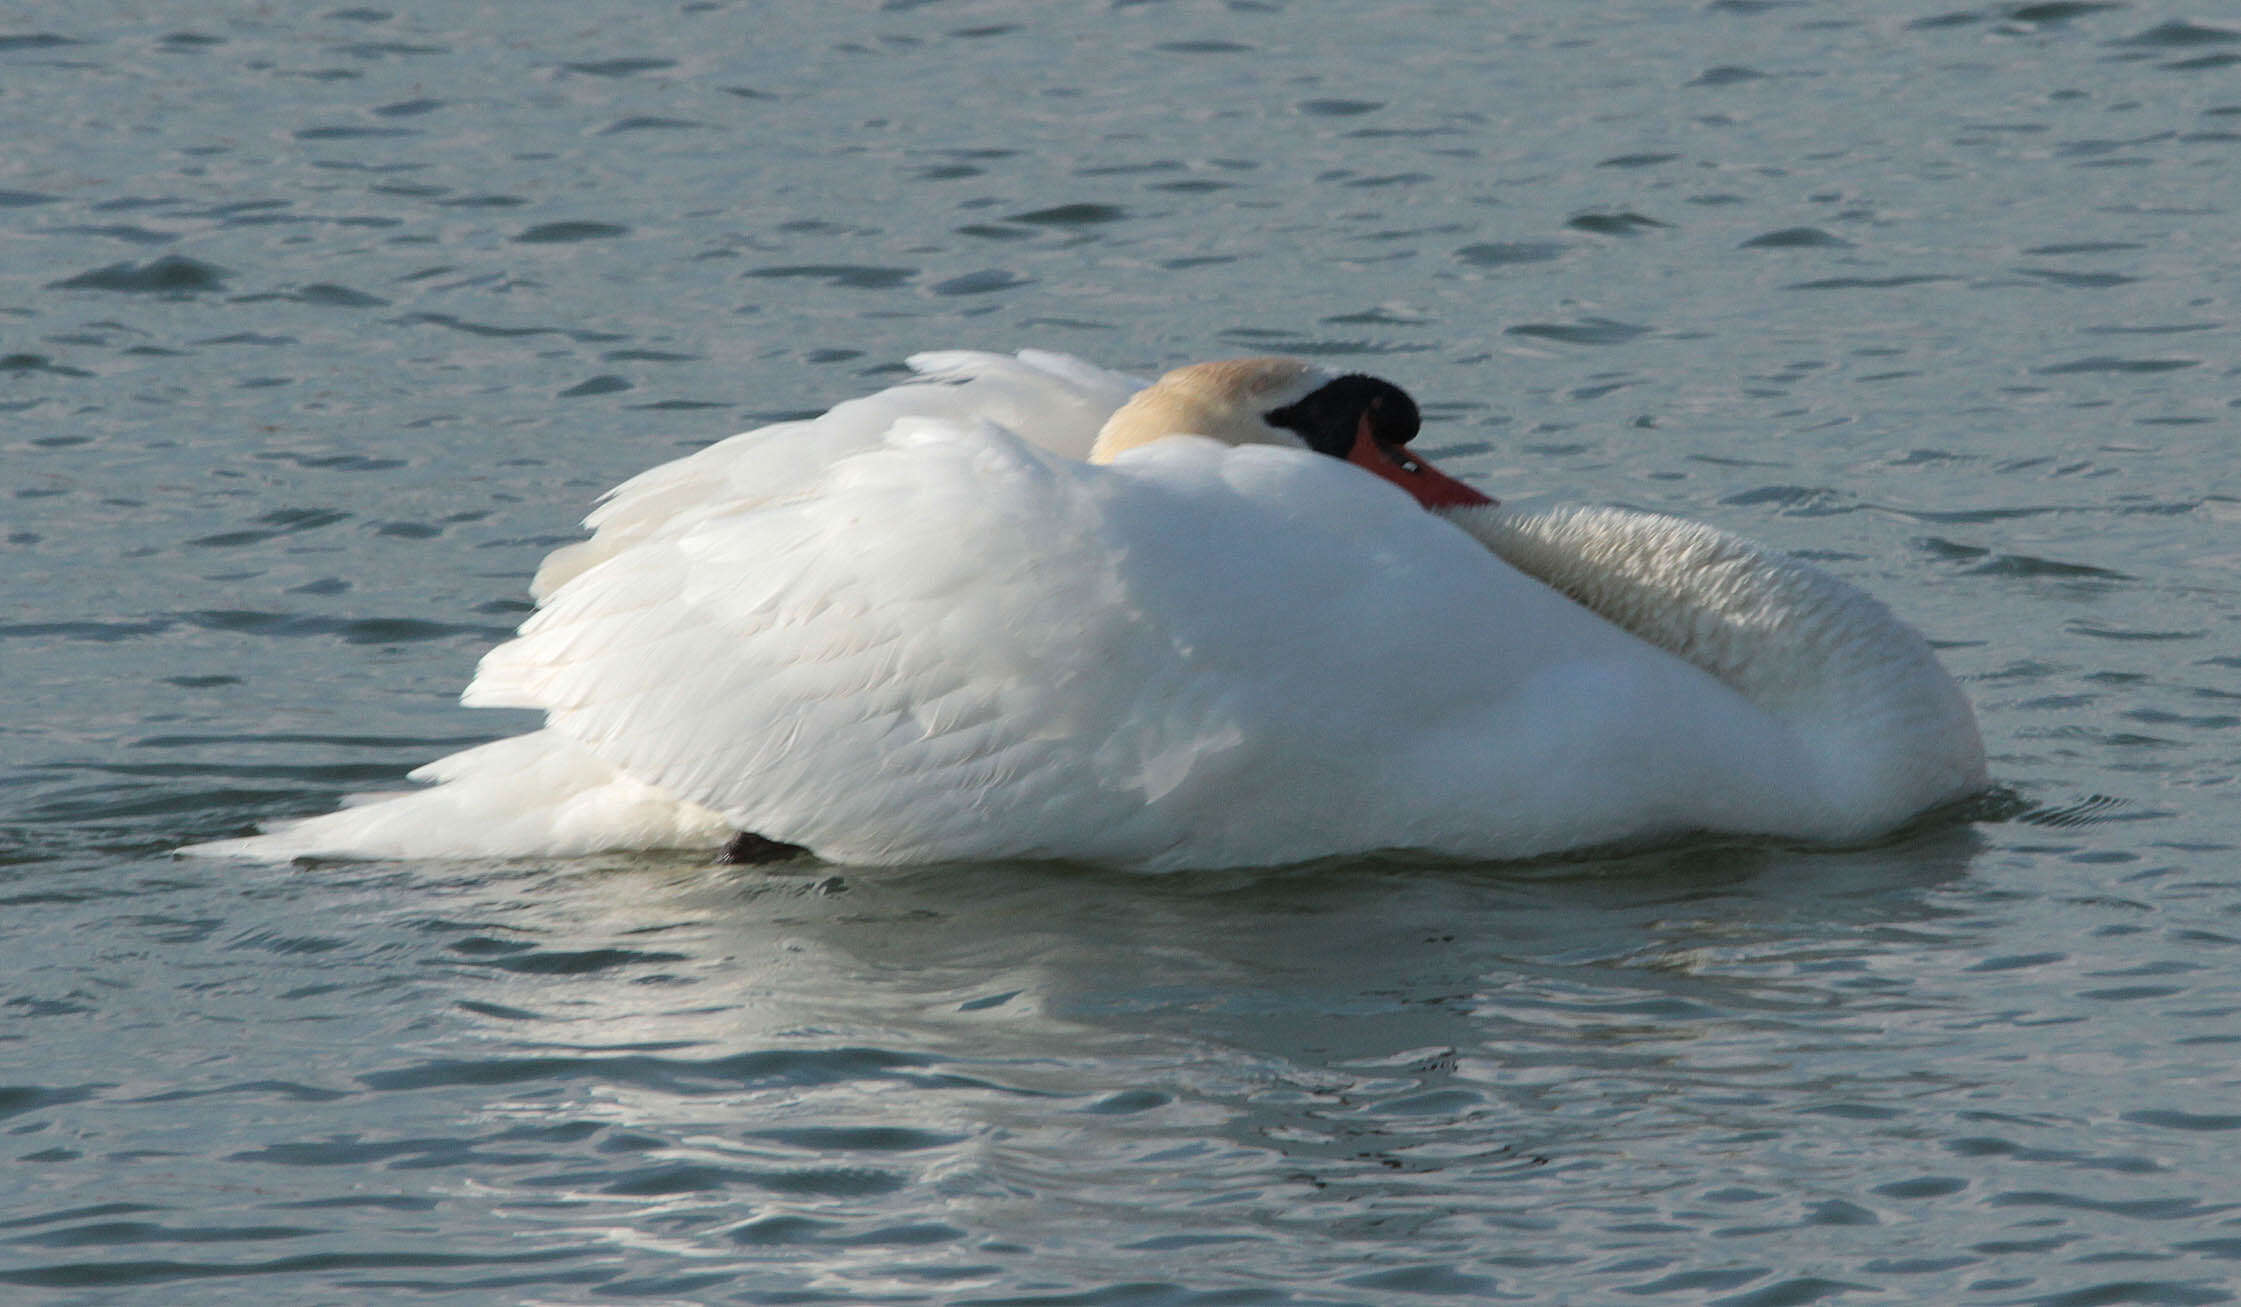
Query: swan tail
535	795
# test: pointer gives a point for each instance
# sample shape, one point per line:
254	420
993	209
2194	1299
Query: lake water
317	328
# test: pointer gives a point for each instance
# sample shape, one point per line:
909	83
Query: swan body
1022	607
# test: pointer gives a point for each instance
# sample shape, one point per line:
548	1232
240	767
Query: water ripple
256	533
352	630
173	274
678	1075
118	1273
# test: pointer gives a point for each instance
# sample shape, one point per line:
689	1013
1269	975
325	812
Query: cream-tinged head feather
1225	400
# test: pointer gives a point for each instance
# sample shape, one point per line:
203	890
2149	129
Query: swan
1022	607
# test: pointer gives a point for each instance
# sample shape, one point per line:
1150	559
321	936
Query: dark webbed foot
749	849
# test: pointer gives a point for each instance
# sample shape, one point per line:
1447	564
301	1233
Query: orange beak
1432	487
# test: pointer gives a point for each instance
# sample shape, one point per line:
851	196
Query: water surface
320	328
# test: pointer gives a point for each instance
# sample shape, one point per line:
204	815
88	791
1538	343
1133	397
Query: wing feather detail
909	652
1054	400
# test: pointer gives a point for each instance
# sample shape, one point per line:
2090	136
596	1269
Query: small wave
173	274
607	383
2180	34
561	233
1797	238
2027	565
2092	810
1726	75
2110	363
15	1100
1871	283
1586	331
1623	223
86	1275
853	276
686	1076
350	630
980	283
35	41
650	123
1496	254
619	67
1071	215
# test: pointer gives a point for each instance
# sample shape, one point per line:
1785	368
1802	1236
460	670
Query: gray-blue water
319	326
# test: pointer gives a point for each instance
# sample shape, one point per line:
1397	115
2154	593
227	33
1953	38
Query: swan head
1364	420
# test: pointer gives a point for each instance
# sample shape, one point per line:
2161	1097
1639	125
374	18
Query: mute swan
1023	607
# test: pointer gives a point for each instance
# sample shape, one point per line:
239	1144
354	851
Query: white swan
1026	608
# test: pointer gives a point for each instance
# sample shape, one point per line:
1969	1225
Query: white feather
920	628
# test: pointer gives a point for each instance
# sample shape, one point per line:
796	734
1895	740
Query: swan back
1056	402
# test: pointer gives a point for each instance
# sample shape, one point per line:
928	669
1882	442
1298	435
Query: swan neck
1862	688
1780	631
